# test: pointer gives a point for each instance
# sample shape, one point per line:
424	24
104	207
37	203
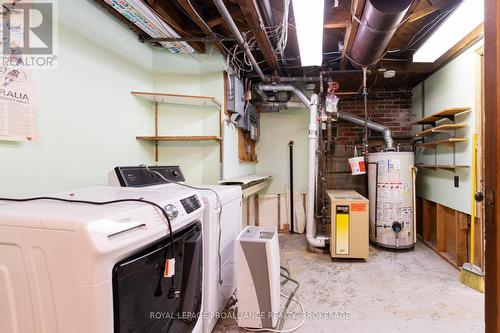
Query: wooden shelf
442	166
180	138
450	141
444	114
440	129
175	99
190	100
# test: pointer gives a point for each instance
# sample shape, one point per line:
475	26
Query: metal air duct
378	24
386	132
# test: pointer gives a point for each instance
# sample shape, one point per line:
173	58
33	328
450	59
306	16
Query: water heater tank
392	203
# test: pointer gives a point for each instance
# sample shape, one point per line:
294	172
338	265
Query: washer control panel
139	176
191	204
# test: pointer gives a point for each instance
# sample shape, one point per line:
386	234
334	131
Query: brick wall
391	108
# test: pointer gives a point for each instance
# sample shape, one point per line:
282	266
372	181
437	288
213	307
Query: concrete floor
412	291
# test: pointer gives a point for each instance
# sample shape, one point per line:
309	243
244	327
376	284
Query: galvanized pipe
386	132
285	87
239	38
287	79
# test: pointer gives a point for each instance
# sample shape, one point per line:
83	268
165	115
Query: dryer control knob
172	211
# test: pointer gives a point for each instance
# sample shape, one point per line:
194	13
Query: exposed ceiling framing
251	13
198	22
357	10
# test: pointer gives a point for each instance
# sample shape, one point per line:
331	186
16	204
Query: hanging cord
365	98
218	209
288	278
283	29
173	293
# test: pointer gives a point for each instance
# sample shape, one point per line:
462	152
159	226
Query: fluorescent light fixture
464	19
309	24
149	22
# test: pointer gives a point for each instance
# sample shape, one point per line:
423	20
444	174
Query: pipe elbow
314	99
389	141
316	242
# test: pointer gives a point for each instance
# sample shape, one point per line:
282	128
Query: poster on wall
17	112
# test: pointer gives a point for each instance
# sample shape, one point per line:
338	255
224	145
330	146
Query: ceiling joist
255	22
188	8
167	13
337	18
357	8
424	12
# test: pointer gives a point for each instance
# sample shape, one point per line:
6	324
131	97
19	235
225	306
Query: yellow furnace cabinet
349	223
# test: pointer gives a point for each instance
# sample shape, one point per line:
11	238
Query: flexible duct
386	132
239	38
378	24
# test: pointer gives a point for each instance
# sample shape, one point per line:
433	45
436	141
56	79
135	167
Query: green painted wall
452	86
198	75
277	129
86	118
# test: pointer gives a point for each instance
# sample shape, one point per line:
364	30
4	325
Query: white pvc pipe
311	177
312	105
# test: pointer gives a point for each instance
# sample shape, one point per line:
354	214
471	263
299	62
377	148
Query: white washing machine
219	273
218	288
73	267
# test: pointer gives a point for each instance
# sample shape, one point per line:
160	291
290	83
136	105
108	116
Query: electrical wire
283	35
218	209
423	31
288	278
236	65
158	292
432	24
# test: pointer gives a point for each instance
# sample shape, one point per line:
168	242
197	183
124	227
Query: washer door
141	299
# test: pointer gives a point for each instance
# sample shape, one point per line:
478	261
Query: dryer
73	267
219	273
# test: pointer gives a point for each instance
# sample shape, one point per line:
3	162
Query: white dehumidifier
258	277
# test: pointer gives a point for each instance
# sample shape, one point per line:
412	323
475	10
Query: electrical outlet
456	181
